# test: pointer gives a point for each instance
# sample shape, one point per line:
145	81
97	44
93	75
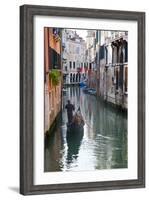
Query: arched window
117	77
126	51
118	54
73	78
76	77
70	78
79	77
115	52
121	56
106	55
121	68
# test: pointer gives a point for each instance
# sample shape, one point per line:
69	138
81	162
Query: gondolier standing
70	108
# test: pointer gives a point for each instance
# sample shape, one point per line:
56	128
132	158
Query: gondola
75	133
77	124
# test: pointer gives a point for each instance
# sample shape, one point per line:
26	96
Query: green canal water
102	145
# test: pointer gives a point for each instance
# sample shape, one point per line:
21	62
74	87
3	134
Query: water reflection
101	145
73	143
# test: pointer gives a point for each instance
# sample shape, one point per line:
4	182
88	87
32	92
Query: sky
82	33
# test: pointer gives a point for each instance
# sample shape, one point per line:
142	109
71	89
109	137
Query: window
74	65
117	56
70	78
126	79
54	59
79	77
126	52
116	79
106	52
121	57
97	39
90	65
76	77
73	77
70	65
101	52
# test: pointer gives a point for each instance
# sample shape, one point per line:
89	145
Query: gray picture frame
27	13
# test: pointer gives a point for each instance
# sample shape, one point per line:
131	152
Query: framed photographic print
82	99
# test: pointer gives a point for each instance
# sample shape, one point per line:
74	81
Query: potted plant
55	76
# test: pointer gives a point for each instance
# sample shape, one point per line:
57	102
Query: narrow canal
103	144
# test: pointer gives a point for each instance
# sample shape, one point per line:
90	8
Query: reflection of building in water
112	131
73	55
74	140
54	152
88	109
103	146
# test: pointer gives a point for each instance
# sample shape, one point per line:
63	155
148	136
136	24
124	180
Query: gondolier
78	118
70	108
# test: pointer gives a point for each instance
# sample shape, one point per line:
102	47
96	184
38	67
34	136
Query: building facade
107	64
73	57
52	61
113	67
91	58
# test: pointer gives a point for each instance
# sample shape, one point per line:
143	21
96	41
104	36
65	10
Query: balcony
56	34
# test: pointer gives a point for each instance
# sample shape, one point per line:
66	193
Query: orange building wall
53	105
52	42
46	50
